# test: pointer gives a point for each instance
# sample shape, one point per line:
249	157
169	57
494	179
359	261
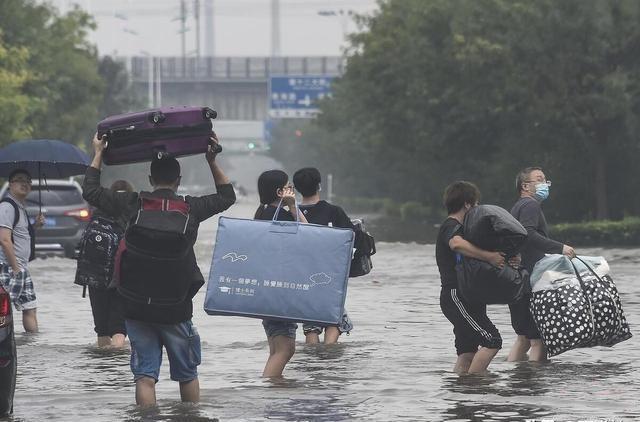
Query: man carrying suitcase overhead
153	321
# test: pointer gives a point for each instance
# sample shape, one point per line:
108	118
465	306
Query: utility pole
209	33
158	68
183	33
196	15
275	28
150	65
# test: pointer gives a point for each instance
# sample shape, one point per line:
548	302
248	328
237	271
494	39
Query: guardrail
187	69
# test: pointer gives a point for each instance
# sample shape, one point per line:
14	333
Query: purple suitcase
139	136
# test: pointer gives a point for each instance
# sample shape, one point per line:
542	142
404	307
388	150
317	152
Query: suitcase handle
118	130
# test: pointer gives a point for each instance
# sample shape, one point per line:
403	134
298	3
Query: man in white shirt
16	248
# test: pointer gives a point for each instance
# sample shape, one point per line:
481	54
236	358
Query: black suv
66	215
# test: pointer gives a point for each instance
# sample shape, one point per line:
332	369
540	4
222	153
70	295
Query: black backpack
16	218
154	262
98	247
365	247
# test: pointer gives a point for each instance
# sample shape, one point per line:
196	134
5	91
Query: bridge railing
242	68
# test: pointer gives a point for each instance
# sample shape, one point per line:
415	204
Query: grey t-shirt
21	238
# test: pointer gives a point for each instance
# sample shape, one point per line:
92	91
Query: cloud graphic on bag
234	257
319	278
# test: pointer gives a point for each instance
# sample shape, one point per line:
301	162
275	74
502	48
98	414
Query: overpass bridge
236	87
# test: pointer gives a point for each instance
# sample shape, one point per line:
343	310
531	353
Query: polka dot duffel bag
575	303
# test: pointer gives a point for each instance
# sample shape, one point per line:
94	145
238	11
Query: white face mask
319	187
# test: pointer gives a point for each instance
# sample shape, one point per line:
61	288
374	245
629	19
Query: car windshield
56	196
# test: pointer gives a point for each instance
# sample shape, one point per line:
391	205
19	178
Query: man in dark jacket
150	326
533	188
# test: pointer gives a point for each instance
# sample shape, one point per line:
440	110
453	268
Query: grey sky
241	27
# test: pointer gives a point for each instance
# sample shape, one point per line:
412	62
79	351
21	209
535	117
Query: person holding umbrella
17	245
19	160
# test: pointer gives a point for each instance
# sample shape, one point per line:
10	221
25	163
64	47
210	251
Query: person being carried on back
156	268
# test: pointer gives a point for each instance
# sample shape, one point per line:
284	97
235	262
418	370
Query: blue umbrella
45	158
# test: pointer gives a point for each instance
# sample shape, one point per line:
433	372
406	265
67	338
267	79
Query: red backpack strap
122	247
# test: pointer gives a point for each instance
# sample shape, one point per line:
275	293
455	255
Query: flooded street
395	365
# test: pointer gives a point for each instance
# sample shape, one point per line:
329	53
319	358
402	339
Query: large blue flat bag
279	270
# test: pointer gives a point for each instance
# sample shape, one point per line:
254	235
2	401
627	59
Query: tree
67	88
14	105
118	97
441	90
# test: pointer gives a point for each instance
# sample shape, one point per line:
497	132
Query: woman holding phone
276	192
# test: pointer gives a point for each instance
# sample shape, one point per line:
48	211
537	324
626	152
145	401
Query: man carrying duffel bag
533	188
477	339
157	269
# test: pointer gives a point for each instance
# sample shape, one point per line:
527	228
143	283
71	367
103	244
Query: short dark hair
18	171
459	193
268	184
523	175
307	181
165	170
121	185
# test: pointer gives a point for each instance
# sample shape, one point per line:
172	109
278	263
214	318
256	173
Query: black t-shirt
267	213
529	213
445	257
324	213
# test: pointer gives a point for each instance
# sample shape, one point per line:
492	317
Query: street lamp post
150	63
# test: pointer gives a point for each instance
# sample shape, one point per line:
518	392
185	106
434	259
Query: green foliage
14	105
355	204
62	88
415	211
442	90
625	232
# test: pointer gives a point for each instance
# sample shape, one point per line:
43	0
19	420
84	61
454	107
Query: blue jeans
181	341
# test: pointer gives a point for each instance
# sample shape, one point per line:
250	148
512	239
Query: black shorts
471	325
108	312
522	319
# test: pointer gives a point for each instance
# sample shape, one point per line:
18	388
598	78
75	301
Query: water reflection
176	412
471	395
483	412
105	369
312	406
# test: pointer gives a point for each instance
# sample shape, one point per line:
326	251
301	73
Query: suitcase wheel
157	117
209	114
216	148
